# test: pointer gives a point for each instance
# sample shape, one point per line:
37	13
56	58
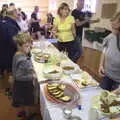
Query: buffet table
52	111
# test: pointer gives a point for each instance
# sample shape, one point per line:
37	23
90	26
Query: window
89	5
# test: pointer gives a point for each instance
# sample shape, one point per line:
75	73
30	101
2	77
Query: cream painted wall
104	22
28	5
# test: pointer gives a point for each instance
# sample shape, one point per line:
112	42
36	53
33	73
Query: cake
57	91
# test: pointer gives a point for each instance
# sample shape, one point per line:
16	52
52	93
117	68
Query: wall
28	5
103	22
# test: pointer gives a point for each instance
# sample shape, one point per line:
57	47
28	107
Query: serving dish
62	94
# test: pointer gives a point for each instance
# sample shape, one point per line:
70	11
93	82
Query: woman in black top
35	26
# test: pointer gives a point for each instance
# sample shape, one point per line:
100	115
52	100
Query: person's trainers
21	115
32	116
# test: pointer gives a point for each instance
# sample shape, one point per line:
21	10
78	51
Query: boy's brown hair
22	38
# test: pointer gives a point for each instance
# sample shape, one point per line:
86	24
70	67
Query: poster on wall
108	10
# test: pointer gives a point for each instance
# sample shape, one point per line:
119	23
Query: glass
67	113
93	114
42	44
63	55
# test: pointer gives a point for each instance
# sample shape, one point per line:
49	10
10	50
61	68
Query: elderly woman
66	33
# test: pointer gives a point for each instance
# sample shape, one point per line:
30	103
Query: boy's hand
35	76
101	71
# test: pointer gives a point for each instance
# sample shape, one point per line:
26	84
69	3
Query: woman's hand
117	91
101	71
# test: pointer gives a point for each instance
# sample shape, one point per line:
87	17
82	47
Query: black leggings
109	84
72	48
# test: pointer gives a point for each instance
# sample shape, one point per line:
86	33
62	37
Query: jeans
73	48
109	84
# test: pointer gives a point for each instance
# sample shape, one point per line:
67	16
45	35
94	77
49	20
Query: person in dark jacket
82	19
8	29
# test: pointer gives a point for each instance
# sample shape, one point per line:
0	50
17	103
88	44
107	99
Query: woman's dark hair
50	18
24	16
12	4
61	7
5	5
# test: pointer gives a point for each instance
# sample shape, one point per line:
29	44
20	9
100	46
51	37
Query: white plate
50	68
96	104
36	50
86	76
79	78
66	63
76	77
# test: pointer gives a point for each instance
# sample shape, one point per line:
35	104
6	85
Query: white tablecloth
51	111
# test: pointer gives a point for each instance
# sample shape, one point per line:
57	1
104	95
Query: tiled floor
7	112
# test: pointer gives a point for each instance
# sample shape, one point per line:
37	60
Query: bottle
93	114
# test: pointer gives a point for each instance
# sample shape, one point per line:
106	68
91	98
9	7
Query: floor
7	112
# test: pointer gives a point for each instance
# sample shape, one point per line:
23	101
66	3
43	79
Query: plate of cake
62	93
42	57
83	80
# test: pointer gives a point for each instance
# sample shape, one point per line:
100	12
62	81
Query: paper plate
52	72
36	50
80	81
68	67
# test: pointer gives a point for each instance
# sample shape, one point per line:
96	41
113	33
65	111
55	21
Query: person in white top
23	23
